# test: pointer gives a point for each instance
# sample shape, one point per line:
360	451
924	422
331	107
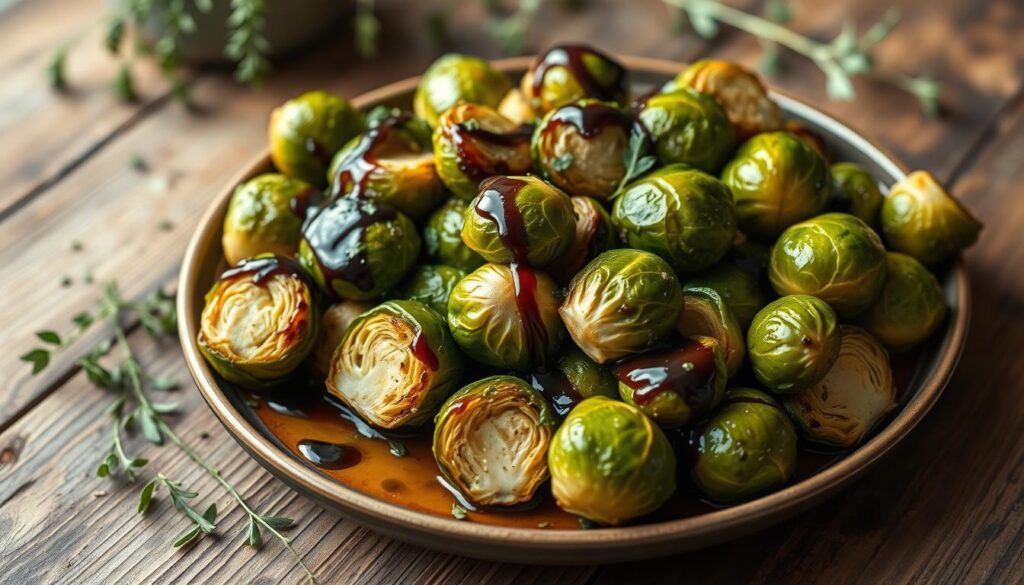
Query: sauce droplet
262	269
422	351
329	455
558	390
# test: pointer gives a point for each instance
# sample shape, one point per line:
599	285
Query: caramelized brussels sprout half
793	342
265	217
689	127
739	91
776	181
855	395
705	312
856	192
739	289
491	441
910	307
454	79
609	463
506	316
396	365
259	321
432	285
333	324
683	215
623	302
305	131
569	73
746	449
574	378
357	249
594	234
835	257
442	238
921	219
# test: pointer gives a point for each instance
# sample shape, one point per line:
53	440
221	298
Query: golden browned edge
534	545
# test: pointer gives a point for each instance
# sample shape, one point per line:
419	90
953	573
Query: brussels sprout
579	147
358	249
408	124
856	192
432	285
910	307
776	180
505	316
305	132
569	73
746	449
594	234
519	219
705	312
574	378
623	302
473	142
265	217
740	290
751	257
835	257
609	463
793	342
810	137
455	79
516	108
683	215
259	321
688	126
740	92
677	386
491	441
921	219
396	365
442	238
855	395
333	324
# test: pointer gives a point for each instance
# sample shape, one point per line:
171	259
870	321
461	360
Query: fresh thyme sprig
246	44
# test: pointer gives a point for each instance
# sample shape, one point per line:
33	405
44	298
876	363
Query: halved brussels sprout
396	365
515	107
579	148
259	321
793	342
455	79
594	235
856	192
358	249
746	449
574	378
910	307
921	219
305	131
623	302
609	463
474	142
491	441
688	126
739	91
506	316
442	238
776	181
519	219
333	324
835	257
676	386
265	217
569	73
684	215
705	312
432	285
739	289
855	395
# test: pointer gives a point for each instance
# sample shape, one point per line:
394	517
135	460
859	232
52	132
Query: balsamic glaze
263	268
571	57
306	202
318	152
329	455
590	119
354	171
476	164
688	370
337	238
557	389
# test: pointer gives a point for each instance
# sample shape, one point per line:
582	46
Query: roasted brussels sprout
574	378
579	147
265	217
623	302
746	449
739	289
407	123
609	463
855	395
358	249
506	316
856	192
683	215
921	219
455	79
396	365
776	181
333	324
739	91
491	441
519	219
305	132
259	321
705	312
793	342
432	285
910	307
835	257
688	126
515	107
442	238
473	142
569	73
810	137
676	386
594	234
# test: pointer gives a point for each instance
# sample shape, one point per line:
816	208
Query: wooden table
947	505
